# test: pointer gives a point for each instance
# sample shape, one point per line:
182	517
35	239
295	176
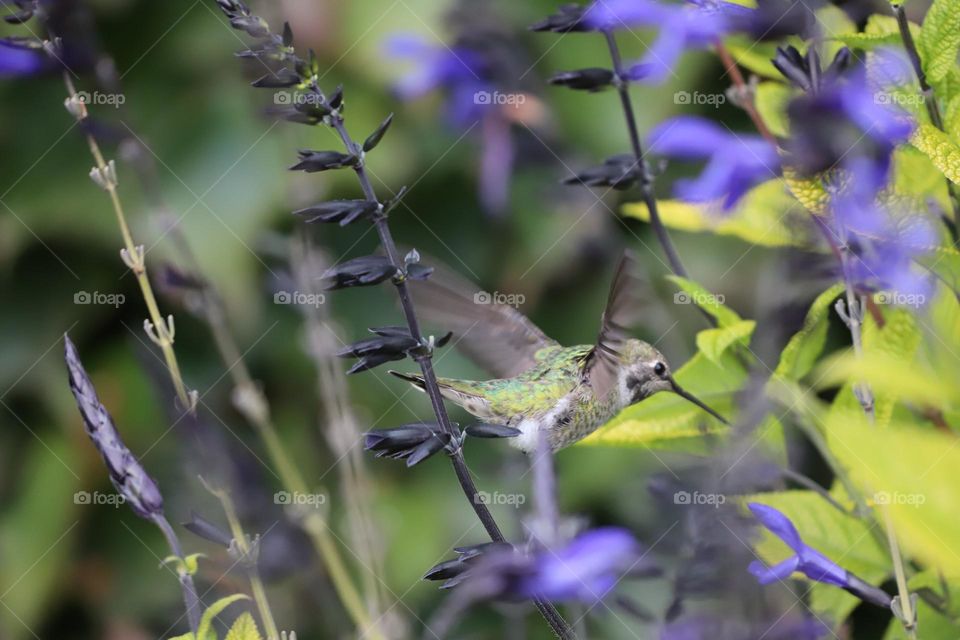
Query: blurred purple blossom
17	60
456	71
735	163
586	569
681	26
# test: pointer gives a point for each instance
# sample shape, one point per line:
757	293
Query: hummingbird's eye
659	368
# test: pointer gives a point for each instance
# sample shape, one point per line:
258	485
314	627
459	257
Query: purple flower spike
735	163
587	569
807	560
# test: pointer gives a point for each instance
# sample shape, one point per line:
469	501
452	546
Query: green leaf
692	292
879	31
753	56
843	538
942	151
940	38
951	118
188	564
713	343
767	216
666	417
205	630
896	342
244	628
771	101
800	354
913	471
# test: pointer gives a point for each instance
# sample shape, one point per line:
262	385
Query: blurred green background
91	571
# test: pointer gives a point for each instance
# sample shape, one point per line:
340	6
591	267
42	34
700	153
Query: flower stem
646	180
549	612
743	92
160	329
190	598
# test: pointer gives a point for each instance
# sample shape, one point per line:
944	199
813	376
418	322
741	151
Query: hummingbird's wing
622	311
496	336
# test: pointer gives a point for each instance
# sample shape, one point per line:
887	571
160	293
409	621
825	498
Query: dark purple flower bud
366	270
287	37
618	172
125	471
279	79
568	18
484	430
376	351
418	271
411	442
313	161
336	98
452	572
254	26
591	79
343	212
200	526
805	71
807	560
374	138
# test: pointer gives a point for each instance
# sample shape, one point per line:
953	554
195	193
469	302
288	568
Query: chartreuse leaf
666	417
843	538
895	346
951	119
913	471
188	564
753	56
766	216
693	293
944	262
808	191
879	31
205	629
942	151
771	101
803	349
713	343
940	38
244	628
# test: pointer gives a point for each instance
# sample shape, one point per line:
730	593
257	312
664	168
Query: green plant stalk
160	330
250	402
253	574
190	598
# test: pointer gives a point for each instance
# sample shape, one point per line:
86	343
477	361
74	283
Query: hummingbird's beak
677	389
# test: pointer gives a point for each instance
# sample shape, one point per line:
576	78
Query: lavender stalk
128	476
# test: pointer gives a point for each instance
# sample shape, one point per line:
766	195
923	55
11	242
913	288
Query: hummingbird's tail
460	392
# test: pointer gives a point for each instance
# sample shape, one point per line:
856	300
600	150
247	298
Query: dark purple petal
778	524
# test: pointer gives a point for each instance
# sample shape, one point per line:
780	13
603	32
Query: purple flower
587	569
681	27
17	61
807	560
457	71
735	163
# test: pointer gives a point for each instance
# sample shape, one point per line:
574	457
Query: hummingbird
539	385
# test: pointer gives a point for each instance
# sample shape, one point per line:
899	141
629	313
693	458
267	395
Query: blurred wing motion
496	336
622	311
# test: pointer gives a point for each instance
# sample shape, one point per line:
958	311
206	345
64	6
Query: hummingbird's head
645	371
